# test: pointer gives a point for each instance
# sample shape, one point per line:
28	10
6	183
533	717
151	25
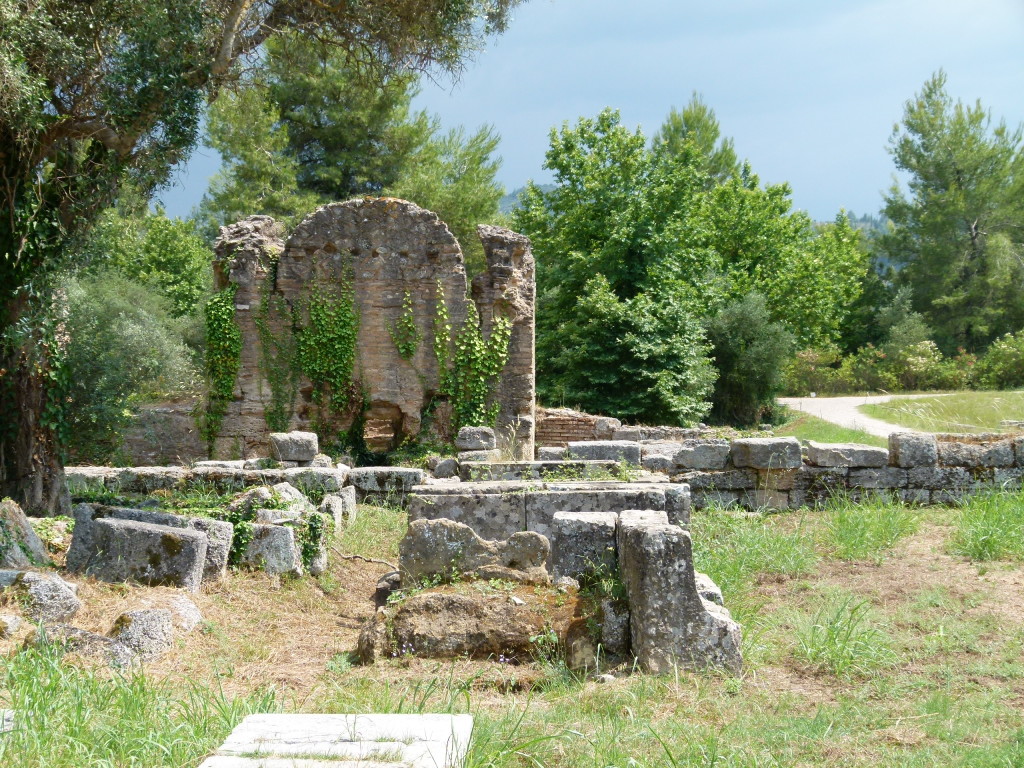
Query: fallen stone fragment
341	507
148	633
475	439
294	446
185	615
20	546
155	555
9	626
42	597
75	640
274	550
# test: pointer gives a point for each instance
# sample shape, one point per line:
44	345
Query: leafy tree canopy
957	232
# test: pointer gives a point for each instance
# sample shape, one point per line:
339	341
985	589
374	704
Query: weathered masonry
369	277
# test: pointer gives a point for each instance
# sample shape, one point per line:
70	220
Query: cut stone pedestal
335	741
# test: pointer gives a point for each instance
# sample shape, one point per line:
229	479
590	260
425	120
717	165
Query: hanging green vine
404	333
468	364
327	346
278	358
223	358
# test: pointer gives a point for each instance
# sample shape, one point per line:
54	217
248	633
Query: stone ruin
389	254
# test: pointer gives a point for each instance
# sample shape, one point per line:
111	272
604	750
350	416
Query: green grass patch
990	526
375	532
807	427
842	637
958	412
869	529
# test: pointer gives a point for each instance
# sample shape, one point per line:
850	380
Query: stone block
726	480
148	479
491	515
615	629
446	468
82	480
155	555
483	456
74	640
707	588
294	446
1018	451
678	503
583	543
550	453
475	439
149	633
273	549
712	498
659	463
995	454
878	478
340	507
541	506
606	450
846	455
937	478
1009	478
605	426
670	625
571	469
765	499
915	495
913	449
449	549
20	547
9	626
42	597
378	482
703	454
315	481
630	434
777	479
767	453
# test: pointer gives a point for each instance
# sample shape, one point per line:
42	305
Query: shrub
1002	365
123	346
750	352
813	370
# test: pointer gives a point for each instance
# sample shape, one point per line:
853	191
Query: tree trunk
31	472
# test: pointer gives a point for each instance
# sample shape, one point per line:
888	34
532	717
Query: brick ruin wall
383	249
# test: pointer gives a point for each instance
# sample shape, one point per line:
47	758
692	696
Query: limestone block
659	463
482	456
631	434
273	549
816	485
229	464
541	506
605	426
614	628
449	549
20	547
606	450
148	479
42	597
340	507
777	479
634	517
1009	478
446	468
767	452
9	626
384	481
937	478
915	495
80	480
550	453
726	480
878	477
846	455
995	454
74	640
703	454
475	439
318	480
765	499
148	632
1018	451
294	446
491	515
913	449
582	543
185	615
678	503
473	471
155	555
669	622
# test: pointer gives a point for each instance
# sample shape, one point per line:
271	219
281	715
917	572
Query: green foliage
990	526
842	638
327	345
317	528
469	364
957	227
223	358
123	346
635	245
278	358
1002	365
404	333
696	124
868	529
750	352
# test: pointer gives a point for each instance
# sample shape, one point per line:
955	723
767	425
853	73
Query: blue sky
809	90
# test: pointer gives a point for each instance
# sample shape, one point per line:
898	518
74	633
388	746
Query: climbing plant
404	333
223	357
278	357
326	347
469	364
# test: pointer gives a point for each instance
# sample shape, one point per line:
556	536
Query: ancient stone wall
384	256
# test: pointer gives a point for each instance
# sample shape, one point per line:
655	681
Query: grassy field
871	638
807	427
956	412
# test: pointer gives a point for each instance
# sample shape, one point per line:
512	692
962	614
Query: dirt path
844	411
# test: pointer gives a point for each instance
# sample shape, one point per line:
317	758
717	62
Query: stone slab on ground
156	555
483	471
318	741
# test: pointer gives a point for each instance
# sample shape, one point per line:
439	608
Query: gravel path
843	411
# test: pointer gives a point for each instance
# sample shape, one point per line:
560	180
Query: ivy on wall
326	349
278	358
223	358
404	333
468	364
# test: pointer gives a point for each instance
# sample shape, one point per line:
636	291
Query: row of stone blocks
497	510
368	482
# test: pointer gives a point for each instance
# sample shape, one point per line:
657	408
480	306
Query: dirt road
843	411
